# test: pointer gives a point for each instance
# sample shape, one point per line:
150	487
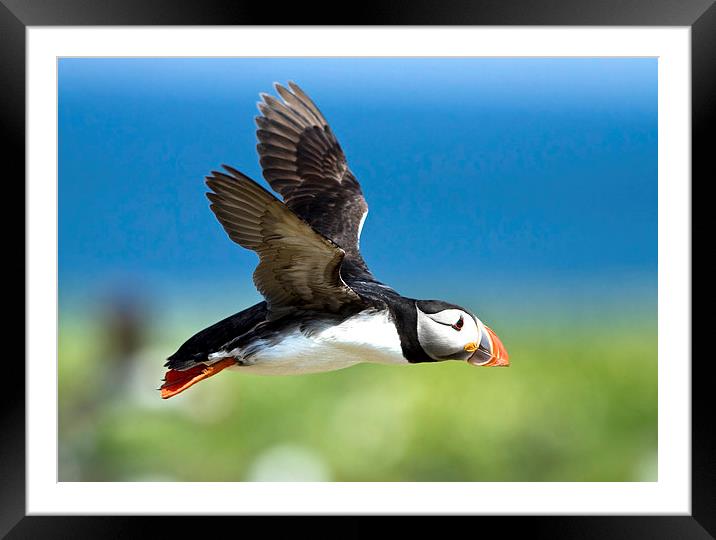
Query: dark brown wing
303	161
298	267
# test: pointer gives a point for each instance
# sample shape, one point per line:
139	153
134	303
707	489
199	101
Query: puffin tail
176	381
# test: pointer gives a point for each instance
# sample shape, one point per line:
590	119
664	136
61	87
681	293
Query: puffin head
450	332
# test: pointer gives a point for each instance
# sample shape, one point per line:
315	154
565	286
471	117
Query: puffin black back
198	347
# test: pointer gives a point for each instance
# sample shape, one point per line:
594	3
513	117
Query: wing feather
303	161
298	267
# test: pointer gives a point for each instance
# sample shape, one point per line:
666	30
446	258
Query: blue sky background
485	178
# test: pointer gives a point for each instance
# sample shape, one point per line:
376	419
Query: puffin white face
455	334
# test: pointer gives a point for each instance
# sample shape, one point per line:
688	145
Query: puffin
323	309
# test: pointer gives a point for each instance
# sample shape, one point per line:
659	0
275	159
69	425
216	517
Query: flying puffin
323	309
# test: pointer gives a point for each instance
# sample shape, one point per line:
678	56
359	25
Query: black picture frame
16	15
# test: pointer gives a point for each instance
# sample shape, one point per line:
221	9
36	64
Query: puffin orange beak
495	356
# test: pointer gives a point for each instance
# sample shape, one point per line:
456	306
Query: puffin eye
458	325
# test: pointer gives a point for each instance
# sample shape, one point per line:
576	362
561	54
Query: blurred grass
579	403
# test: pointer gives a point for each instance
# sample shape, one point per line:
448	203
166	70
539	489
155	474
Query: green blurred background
523	189
579	403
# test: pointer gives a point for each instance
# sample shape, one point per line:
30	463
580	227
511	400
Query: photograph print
295	269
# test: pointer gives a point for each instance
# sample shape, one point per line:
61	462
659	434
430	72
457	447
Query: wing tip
279	87
234	172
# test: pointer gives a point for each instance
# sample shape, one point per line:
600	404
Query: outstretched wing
303	161
298	267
